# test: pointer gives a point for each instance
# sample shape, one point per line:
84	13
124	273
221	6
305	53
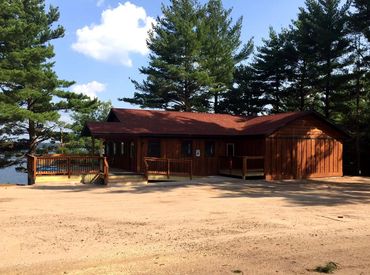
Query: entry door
132	156
230	149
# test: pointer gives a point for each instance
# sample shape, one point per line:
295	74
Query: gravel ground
212	225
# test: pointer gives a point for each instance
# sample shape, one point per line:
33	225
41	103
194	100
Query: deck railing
66	165
168	167
242	166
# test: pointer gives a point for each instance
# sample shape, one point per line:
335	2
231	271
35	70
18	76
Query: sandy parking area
210	226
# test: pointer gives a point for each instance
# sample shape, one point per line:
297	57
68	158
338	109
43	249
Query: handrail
106	170
238	163
168	167
66	165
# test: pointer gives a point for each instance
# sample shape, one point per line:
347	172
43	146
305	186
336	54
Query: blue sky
102	55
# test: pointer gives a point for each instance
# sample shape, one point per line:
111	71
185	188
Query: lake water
10	175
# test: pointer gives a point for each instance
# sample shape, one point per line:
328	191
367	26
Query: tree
31	94
327	24
361	17
222	48
71	140
355	107
245	98
271	68
176	78
194	50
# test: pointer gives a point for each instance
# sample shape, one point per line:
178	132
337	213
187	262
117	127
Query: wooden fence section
242	166
54	165
288	158
168	167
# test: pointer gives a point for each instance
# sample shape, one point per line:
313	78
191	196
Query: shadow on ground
329	192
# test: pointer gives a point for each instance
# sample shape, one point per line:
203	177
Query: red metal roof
149	122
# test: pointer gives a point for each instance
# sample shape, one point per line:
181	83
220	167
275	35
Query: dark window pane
210	149
230	150
187	149
154	149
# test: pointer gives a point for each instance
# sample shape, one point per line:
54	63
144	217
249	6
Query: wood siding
203	165
305	148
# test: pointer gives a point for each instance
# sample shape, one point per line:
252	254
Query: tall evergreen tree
176	76
222	48
361	16
245	98
272	69
31	95
327	21
194	51
300	56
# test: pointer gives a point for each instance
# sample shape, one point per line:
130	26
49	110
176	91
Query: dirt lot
210	226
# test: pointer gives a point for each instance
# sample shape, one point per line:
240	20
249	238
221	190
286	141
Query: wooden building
281	146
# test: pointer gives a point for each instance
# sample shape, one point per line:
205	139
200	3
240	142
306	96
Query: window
132	150
230	150
154	149
114	148
122	148
106	149
210	149
187	148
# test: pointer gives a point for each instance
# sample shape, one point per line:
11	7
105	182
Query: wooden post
230	166
93	145
168	168
244	171
191	169
69	167
34	169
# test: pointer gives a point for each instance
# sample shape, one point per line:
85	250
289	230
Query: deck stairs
118	177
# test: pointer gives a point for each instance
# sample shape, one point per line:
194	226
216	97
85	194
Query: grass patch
330	267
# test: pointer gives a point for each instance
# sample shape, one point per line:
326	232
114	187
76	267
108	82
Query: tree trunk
327	89
358	148
215	107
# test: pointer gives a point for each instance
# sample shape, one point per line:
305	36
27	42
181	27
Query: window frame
187	153
227	149
213	149
159	153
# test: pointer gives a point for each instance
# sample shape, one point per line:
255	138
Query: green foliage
71	140
31	94
194	50
330	267
271	67
246	97
221	44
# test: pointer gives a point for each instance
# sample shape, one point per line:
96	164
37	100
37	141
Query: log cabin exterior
283	146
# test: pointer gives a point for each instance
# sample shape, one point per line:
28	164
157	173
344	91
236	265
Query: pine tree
71	140
223	49
31	94
245	98
272	69
361	16
300	56
328	39
176	78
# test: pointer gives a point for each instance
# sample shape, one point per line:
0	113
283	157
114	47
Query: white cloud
90	89
123	30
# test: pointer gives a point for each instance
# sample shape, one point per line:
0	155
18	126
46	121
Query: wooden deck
239	173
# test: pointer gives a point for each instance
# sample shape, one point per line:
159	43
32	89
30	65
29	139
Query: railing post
34	169
244	172
106	171
191	169
230	166
69	166
168	168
